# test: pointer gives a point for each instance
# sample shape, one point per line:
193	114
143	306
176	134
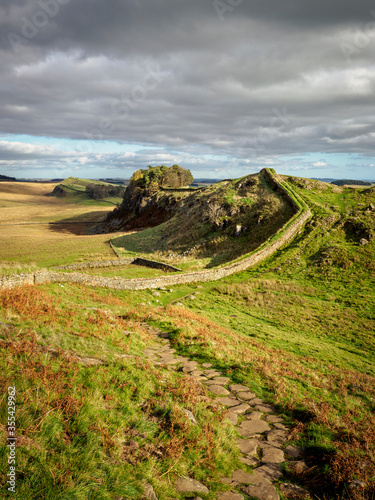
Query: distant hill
87	191
115	180
5	178
347	182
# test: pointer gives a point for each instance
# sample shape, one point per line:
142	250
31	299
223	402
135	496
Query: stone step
263	454
218	390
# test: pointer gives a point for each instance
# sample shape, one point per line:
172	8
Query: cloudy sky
99	88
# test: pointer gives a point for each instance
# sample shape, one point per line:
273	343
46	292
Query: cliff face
145	203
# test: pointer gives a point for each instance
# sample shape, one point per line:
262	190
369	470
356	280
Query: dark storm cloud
241	79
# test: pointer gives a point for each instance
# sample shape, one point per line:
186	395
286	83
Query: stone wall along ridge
284	236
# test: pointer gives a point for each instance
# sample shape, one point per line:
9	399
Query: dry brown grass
27	236
24	190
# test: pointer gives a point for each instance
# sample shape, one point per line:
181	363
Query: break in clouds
217	86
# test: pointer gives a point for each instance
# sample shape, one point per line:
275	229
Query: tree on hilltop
154	178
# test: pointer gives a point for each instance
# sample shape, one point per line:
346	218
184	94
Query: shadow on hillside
78	225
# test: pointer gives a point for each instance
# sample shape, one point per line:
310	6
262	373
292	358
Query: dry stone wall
275	181
119	262
284	236
16	280
155	265
96	264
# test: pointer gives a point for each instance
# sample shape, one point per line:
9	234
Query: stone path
263	439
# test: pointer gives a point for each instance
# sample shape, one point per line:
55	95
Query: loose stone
188	485
228	401
246	395
250	461
218	390
212	370
221	380
228	495
254	415
182	359
189	415
254	426
213	381
273	419
190	367
277	438
149	492
270	471
281	427
265	408
213	374
292	452
299	467
248	446
239	409
168	361
238	388
261	492
232	417
259	487
242	477
271	455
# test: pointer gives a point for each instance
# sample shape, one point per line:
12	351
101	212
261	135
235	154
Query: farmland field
37	231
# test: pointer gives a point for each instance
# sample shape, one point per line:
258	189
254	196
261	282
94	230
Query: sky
101	88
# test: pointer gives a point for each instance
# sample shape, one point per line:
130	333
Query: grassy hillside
99	431
73	190
298	330
202	229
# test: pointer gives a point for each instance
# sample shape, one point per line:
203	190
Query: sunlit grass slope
100	431
298	330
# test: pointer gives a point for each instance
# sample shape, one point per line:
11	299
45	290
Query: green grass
49	251
297	329
100	432
75	190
